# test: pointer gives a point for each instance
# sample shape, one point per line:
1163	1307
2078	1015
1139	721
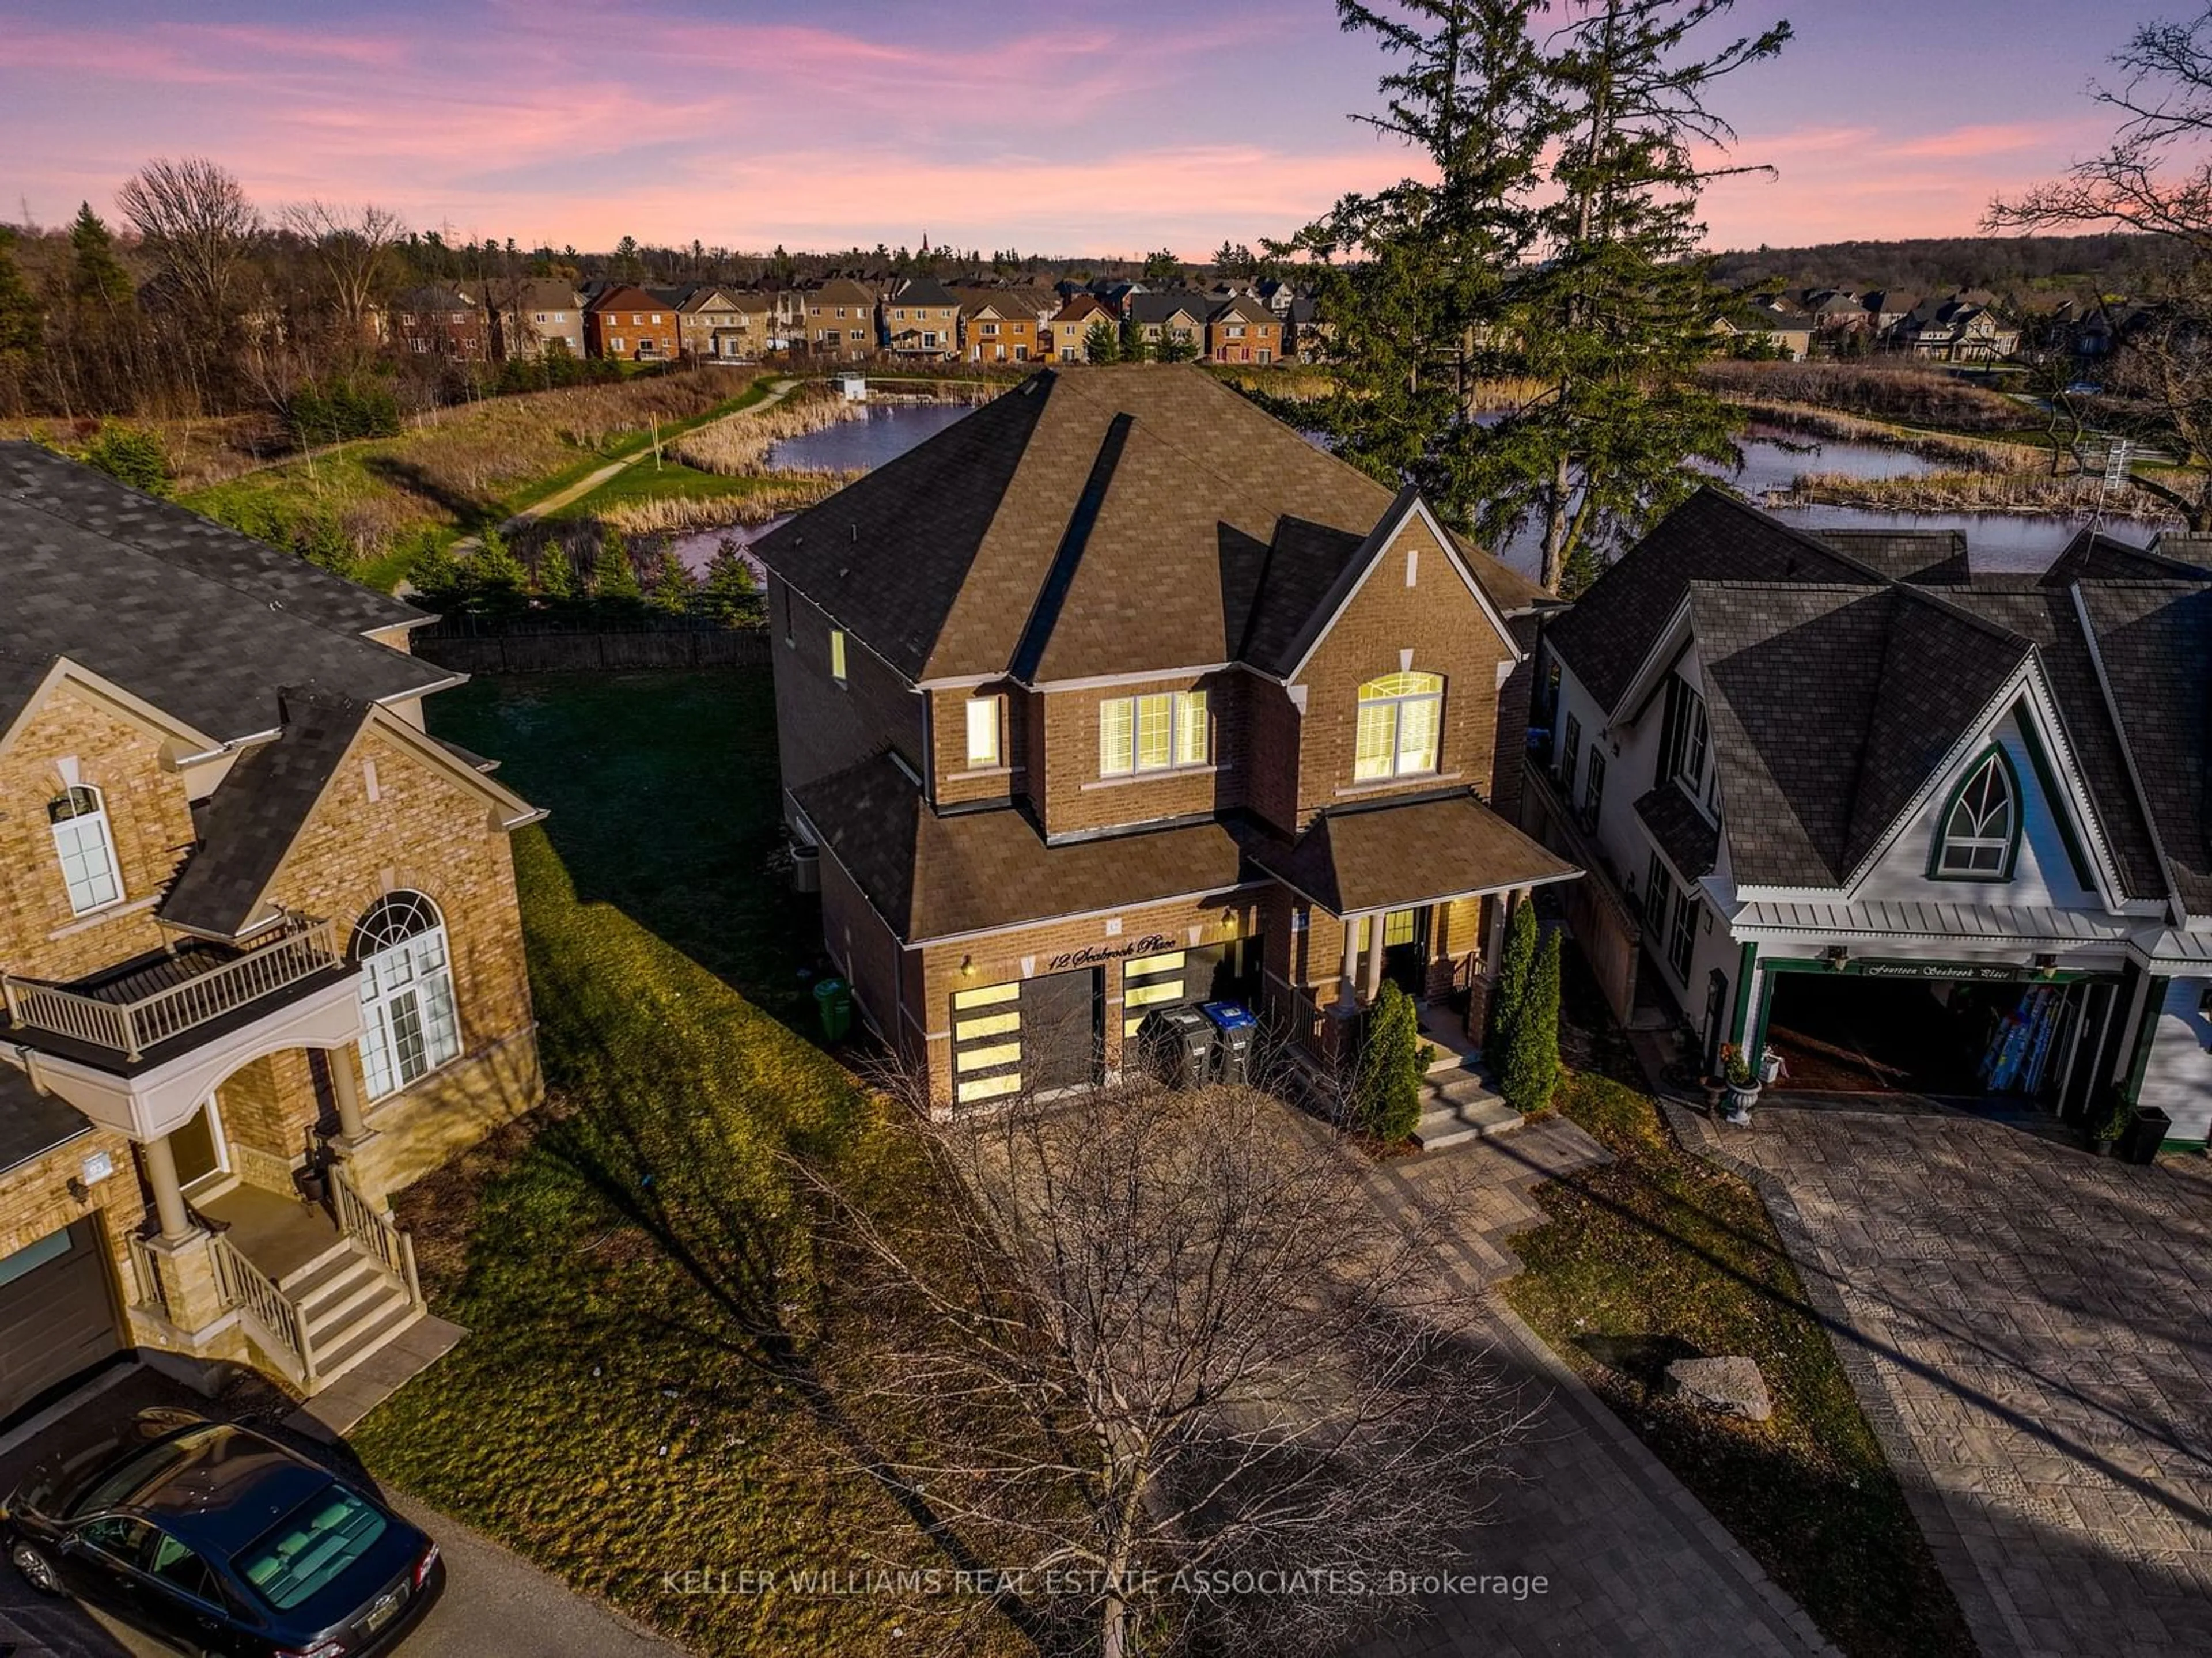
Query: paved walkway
2030	1331
1634	1563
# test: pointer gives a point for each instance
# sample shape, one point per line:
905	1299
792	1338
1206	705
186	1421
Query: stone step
346	1303
303	1278
1449	1121
367	1337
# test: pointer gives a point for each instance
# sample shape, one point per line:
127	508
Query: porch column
1373	978
1347	989
345	1087
168	1193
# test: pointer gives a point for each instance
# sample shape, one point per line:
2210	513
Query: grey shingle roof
257	811
2092	556
1929	558
943	560
31	1123
1690	839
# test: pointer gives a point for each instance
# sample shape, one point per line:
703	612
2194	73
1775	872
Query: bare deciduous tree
1171	1340
197	225
349	244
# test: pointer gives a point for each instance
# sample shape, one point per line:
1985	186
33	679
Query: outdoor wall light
1836	955
2046	965
1229	922
967	967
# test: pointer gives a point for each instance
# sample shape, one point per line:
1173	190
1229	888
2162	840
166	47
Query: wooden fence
475	647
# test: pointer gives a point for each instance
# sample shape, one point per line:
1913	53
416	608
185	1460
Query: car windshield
140	1471
310	1548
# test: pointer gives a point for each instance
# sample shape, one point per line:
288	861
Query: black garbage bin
1179	1044
2147	1132
1234	1029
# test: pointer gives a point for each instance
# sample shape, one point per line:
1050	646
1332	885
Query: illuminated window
1401	715
1155	732
837	654
983	731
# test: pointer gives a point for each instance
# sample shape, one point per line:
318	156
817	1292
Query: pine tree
129	455
96	275
733	595
20	321
555	576
614	578
1532	1064
674	587
434	573
493	577
1133	346
1511	989
1389	1101
1102	344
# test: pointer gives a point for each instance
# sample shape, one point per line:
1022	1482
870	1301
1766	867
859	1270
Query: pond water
1772	459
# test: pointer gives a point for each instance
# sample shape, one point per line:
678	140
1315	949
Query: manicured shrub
1389	1099
1532	1061
1512	984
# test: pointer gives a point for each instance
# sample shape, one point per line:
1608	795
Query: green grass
631	1263
671	480
1659	1255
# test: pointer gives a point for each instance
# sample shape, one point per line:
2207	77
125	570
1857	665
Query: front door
198	1146
1406	950
1716	1021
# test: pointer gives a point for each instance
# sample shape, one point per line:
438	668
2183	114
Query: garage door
56	1317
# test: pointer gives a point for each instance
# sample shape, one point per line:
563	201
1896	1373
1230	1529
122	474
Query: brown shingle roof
940	560
1392	854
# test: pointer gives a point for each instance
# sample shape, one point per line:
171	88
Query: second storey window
1570	751
1981	831
87	850
1151	734
837	654
983	731
1683	736
409	1024
1401	715
1594	791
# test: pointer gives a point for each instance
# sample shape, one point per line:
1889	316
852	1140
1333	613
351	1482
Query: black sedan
224	1543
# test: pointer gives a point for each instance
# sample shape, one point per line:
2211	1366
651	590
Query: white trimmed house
1919	828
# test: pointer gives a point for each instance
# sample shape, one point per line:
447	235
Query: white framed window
1401	718
1682	935
983	731
1157	732
837	654
1981	827
410	1025
87	850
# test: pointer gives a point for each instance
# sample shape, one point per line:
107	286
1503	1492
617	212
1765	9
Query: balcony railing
193	987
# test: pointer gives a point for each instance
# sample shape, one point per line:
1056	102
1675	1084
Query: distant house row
1960	327
848	320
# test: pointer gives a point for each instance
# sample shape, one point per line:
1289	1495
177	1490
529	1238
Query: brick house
1063	339
1083	729
252	919
1919	828
840	320
537	315
921	319
999	326
1171	320
624	323
1242	330
436	320
715	324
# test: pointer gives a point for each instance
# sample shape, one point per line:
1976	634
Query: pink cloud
1973	141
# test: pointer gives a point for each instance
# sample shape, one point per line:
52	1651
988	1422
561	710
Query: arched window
409	1026
1400	717
86	848
1981	824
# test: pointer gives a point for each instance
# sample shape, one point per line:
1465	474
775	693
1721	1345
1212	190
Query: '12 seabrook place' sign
1099	954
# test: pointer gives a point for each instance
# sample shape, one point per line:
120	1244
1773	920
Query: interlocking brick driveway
2030	1330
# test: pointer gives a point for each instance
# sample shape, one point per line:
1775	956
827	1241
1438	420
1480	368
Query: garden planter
1742	1096
2099	1146
2145	1133
1770	1065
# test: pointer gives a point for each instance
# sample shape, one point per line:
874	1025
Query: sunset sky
1051	128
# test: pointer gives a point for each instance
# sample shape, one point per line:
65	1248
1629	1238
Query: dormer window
1400	716
86	848
1685	739
983	731
1980	833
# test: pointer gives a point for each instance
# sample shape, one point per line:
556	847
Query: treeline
2108	263
586	572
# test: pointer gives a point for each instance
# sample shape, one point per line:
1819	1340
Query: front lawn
635	1267
1660	1255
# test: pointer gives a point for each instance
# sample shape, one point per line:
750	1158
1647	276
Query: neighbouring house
840	319
715	324
998	325
921	319
1788	338
437	320
1244	330
1960	328
1919	828
538	315
1176	319
254	921
625	323
1066	337
1085	727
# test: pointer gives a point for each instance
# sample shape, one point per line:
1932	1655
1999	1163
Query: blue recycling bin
1234	1031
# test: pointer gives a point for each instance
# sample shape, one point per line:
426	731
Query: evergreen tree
732	594
554	575
1101	343
614	578
673	587
1532	1064
1162	268
1131	345
96	275
20	318
1388	1104
434	573
493	577
1514	966
131	456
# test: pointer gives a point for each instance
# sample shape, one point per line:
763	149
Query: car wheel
38	1572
